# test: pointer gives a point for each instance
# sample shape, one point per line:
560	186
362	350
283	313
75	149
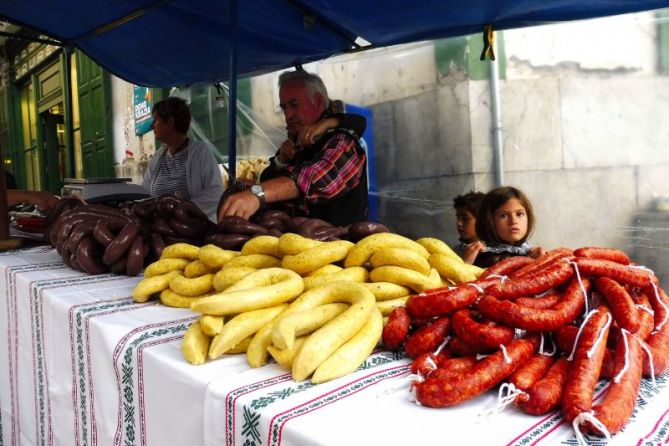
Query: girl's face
511	221
466	225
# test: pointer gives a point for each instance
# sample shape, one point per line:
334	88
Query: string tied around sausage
507	359
588	417
502	278
578	334
641	268
505	397
478	288
519	333
600	335
648	351
659	326
580	282
619	376
541	347
441	347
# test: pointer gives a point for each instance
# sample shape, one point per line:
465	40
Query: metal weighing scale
104	190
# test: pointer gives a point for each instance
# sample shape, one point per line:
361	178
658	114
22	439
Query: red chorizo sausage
436	392
452	367
542	261
613	255
477	334
531	372
396	330
440	301
460	348
554	274
428	338
621	304
545	301
658	341
534	319
586	364
546	394
507	266
428	362
616	271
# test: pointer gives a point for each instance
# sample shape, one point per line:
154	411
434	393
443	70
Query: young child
466	207
504	223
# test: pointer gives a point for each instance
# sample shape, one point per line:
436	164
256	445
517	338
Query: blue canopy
180	42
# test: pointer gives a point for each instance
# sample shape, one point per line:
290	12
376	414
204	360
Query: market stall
87	365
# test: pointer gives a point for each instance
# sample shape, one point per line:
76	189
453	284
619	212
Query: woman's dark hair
471	201
493	200
175	108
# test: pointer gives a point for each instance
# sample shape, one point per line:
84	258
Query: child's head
466	207
505	216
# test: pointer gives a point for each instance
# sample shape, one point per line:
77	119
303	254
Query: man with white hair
320	175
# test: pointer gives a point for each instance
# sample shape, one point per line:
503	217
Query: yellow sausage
195	344
387	290
215	257
314	258
363	250
227	277
303	322
272	286
436	246
197	268
241	327
197	286
353	274
405	258
326	340
349	356
211	325
291	244
256	353
164	266
254	261
149	286
386	306
285	357
406	277
263	244
324	270
180	251
241	347
171	299
451	269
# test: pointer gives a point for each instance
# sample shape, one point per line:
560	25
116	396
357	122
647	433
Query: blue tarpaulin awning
179	42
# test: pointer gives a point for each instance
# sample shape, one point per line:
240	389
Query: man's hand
308	134
242	204
287	151
472	250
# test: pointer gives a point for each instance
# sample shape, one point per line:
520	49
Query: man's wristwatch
259	192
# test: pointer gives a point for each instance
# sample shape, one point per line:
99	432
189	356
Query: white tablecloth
84	365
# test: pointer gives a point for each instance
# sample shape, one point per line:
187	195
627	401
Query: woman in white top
181	165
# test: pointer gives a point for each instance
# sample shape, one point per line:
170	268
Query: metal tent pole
232	97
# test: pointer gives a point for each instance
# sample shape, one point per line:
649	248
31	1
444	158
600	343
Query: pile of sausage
97	239
607	317
232	232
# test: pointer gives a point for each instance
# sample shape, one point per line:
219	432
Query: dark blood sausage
135	257
362	229
188	212
396	329
274	232
487	373
165	205
658	341
88	257
545	301
278	214
428	338
480	334
543	261
507	266
144	209
237	225
612	270
531	372
614	255
119	267
105	231
310	225
120	244
157	244
554	274
545	395
441	301
272	223
161	227
191	230
83	229
327	232
620	302
228	241
536	319
586	365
